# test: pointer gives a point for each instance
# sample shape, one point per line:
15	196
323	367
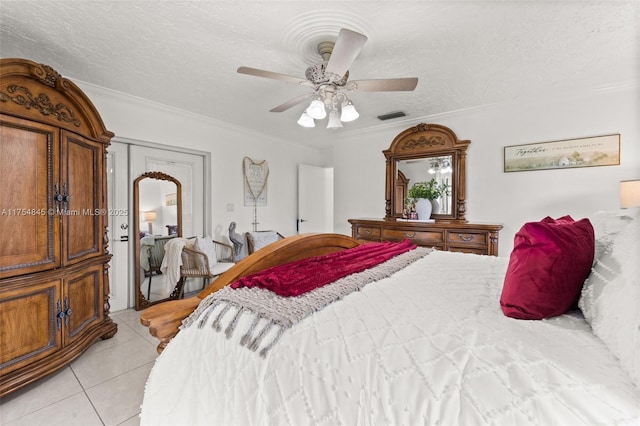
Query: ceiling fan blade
274	75
291	103
347	47
385	85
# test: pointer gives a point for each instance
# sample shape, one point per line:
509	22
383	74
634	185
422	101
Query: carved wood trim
41	89
23	96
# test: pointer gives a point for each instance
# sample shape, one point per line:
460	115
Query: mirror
157	201
422	153
438	168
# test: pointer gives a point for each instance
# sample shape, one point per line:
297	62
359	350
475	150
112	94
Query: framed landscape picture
583	152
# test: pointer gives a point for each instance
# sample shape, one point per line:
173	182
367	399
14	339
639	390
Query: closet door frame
206	202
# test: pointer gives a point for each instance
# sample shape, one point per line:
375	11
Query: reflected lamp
150	217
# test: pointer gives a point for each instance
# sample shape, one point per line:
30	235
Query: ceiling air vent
391	115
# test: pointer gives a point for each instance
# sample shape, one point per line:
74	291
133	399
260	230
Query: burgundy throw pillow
548	265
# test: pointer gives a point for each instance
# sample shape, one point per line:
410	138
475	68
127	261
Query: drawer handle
367	231
465	237
409	234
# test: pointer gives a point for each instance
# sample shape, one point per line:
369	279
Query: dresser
54	288
461	236
428	155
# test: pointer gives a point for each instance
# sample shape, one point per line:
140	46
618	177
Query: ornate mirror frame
141	301
426	141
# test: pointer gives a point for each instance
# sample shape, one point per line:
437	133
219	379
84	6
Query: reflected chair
206	258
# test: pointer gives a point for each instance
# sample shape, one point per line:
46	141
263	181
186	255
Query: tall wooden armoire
54	287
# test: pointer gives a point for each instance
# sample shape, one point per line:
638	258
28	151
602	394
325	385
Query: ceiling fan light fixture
334	120
330	78
349	112
305	120
316	109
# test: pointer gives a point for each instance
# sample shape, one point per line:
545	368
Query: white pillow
259	239
610	299
206	245
607	225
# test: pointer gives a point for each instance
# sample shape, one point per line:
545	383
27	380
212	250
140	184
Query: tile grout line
84	390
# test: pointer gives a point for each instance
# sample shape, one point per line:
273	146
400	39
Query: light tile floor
104	386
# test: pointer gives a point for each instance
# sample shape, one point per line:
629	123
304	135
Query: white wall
133	118
492	195
359	166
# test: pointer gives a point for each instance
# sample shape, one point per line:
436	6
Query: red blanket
296	278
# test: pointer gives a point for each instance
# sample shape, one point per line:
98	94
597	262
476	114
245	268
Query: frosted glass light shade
306	121
349	112
629	193
334	121
316	110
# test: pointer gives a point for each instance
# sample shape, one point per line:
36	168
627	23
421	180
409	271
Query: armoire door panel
29	328
82	189
29	155
82	301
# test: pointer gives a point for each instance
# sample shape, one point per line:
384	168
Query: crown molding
92	89
580	93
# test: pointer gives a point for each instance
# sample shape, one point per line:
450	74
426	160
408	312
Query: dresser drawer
367	233
464	238
474	250
423	238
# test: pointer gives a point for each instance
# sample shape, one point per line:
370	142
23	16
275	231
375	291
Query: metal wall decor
256	174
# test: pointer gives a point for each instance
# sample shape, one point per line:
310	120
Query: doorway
315	199
128	159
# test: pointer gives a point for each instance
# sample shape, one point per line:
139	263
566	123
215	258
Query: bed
428	343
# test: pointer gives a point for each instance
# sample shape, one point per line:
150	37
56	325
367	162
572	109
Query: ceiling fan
328	81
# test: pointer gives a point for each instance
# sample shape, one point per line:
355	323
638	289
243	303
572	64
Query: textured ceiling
465	53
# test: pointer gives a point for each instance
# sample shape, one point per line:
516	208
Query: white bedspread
429	345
